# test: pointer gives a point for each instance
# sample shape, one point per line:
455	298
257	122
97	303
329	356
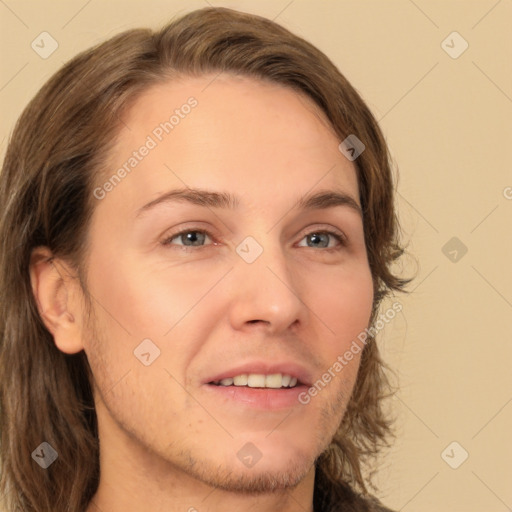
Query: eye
322	240
189	238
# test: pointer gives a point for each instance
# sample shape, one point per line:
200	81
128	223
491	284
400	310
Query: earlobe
55	292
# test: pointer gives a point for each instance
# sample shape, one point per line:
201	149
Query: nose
266	293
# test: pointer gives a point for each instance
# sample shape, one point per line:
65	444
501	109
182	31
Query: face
253	280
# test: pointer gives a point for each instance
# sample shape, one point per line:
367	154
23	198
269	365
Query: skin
166	444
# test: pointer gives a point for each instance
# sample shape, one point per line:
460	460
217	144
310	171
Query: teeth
258	380
274	381
241	380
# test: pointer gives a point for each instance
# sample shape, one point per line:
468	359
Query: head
91	266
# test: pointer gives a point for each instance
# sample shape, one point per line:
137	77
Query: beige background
448	123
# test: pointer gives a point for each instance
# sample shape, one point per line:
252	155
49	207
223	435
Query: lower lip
259	398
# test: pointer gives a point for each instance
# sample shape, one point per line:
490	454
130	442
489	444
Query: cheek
343	303
150	300
175	308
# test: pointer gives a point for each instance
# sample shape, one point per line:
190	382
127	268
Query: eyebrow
320	200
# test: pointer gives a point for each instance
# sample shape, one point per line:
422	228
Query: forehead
239	97
225	132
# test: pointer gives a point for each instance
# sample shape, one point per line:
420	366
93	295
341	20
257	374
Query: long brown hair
54	157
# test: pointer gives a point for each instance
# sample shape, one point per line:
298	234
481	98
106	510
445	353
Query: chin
271	469
259	481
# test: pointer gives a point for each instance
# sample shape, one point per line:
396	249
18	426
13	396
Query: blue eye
193	238
321	239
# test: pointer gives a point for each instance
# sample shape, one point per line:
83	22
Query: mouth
259	385
259	381
269	391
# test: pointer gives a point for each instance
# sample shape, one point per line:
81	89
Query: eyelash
339	237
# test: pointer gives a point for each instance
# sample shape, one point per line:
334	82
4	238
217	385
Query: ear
56	291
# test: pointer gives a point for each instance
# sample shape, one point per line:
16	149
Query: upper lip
291	368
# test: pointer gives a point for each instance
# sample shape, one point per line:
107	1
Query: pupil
317	237
192	236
